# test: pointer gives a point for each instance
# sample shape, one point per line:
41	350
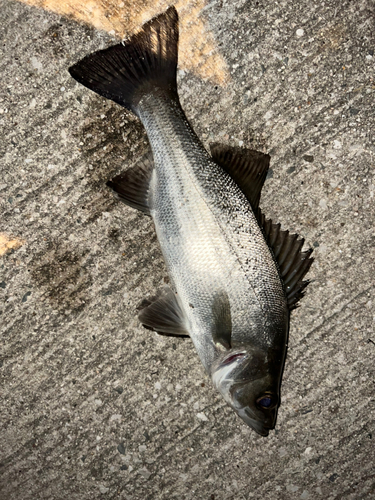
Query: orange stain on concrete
197	49
7	244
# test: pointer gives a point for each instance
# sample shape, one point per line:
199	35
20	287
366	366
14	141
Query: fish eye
267	401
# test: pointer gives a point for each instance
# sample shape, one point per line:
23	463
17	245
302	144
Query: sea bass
234	275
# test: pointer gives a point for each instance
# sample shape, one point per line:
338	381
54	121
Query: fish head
249	380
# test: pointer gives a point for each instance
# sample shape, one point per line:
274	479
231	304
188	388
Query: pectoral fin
164	315
132	186
247	167
222	321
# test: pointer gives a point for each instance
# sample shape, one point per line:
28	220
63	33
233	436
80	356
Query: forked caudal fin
135	67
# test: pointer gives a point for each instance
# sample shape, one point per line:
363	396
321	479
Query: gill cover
249	381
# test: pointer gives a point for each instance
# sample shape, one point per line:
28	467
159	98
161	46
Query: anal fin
164	315
132	186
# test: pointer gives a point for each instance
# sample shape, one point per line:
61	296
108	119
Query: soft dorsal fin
164	315
222	321
247	167
293	263
132	185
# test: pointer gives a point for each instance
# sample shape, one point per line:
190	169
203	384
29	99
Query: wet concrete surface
94	406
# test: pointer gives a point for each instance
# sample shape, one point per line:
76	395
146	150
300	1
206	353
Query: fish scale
212	234
230	293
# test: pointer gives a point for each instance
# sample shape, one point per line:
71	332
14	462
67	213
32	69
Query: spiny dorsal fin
222	321
247	167
132	185
293	263
164	315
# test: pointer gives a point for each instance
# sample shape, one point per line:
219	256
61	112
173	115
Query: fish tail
126	72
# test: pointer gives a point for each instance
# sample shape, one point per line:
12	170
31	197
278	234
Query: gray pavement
93	406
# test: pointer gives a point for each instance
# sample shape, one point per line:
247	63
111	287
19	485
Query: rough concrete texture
95	407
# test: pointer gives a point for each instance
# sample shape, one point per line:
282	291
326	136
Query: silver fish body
210	238
230	293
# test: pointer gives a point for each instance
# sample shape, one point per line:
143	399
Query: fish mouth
259	427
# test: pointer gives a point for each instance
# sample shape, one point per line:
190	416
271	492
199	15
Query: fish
234	274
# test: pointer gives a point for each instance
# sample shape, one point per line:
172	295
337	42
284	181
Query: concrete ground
93	406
